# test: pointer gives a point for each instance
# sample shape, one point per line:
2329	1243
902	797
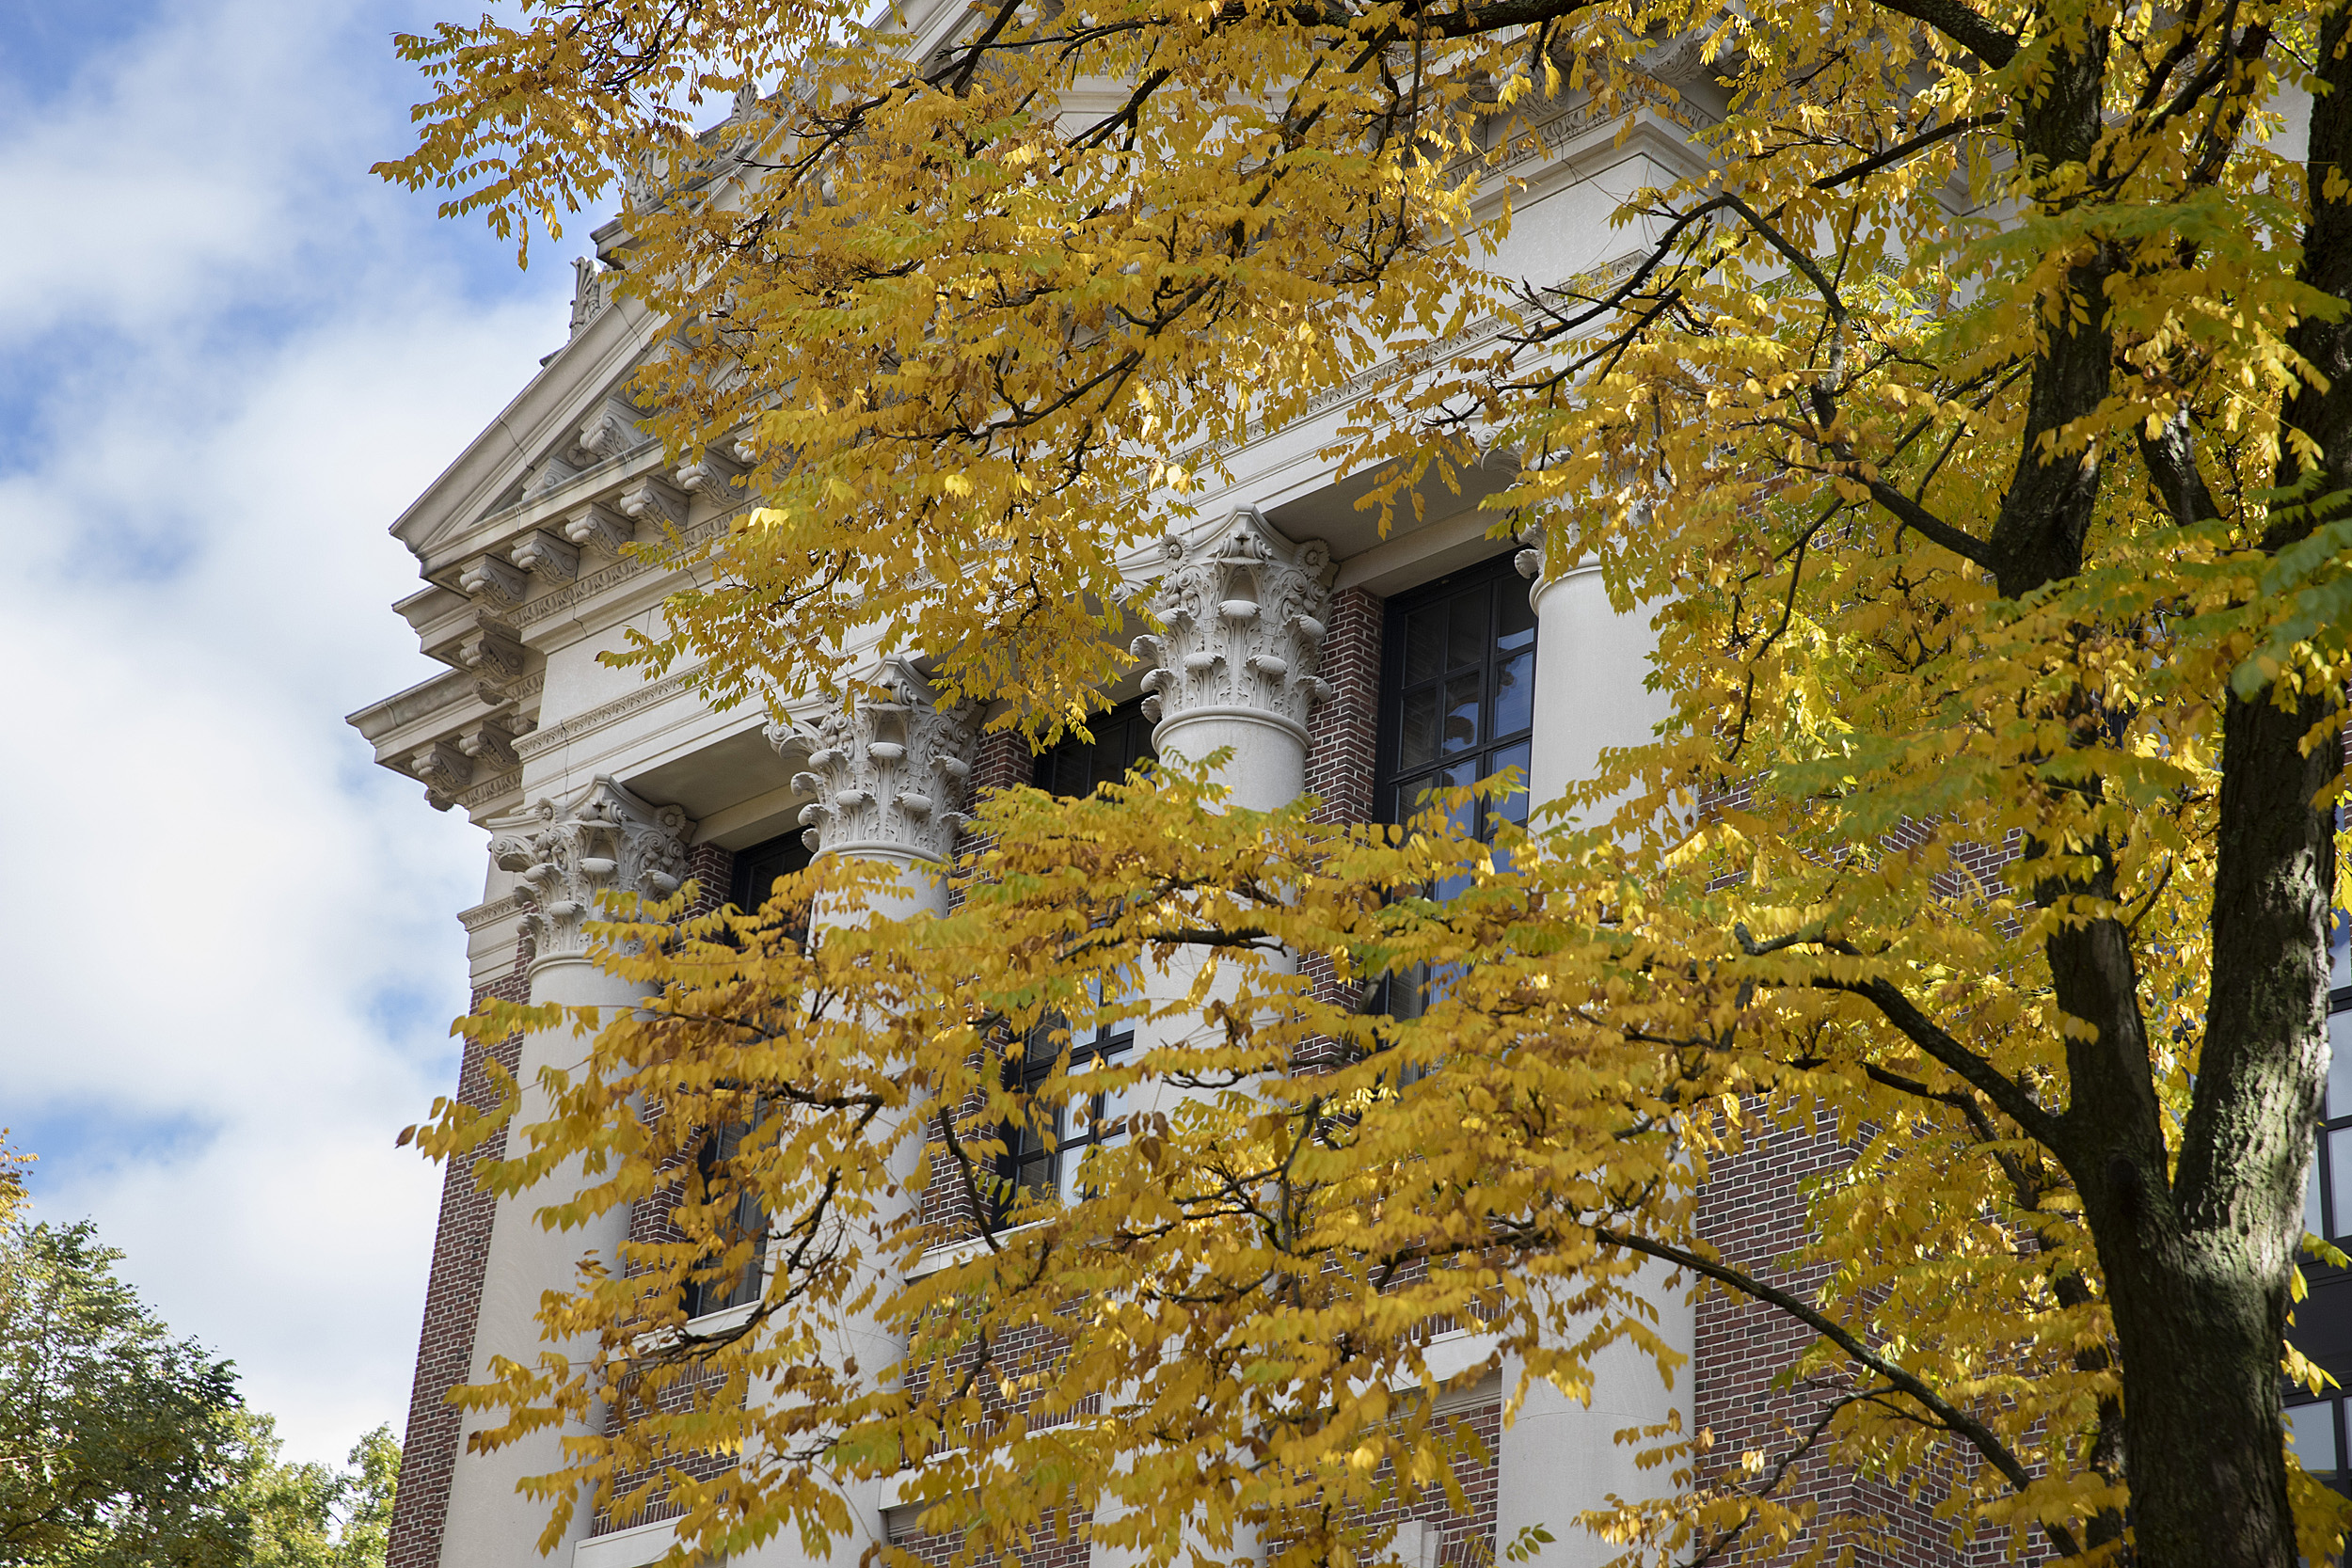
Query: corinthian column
890	778
1243	613
598	839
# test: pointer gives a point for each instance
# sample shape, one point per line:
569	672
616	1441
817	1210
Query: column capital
1242	611
889	775
600	838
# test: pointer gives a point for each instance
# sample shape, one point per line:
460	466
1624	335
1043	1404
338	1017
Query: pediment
575	418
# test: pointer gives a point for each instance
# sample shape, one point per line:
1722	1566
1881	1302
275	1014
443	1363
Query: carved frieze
892	774
600	839
1242	618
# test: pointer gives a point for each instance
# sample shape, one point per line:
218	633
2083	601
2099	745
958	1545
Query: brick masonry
461	1248
1343	733
452	1303
1753	1209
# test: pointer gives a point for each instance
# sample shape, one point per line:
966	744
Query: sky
231	356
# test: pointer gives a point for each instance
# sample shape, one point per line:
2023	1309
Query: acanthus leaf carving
496	658
711	475
485	577
442	767
654	499
612	428
598	525
892	774
1242	616
568	853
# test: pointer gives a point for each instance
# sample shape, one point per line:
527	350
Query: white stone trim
530	746
626	1548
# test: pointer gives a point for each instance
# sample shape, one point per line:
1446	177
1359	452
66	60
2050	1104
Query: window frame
701	1298
1118	726
1389	773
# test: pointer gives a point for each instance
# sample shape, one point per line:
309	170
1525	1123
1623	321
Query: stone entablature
600	839
890	776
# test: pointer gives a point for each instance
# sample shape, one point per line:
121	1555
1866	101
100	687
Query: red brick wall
453	1302
1752	1208
1342	734
1343	750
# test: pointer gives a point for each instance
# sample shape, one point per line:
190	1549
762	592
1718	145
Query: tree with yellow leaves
1978	431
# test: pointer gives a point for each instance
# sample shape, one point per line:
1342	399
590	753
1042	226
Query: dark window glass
1457	690
757	868
1122	737
744	1219
1044	1142
1457	706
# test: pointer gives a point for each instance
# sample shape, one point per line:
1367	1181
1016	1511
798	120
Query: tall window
1045	1145
1122	737
757	868
744	1218
1458	704
1457	689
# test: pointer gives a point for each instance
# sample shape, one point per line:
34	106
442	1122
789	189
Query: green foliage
312	1515
122	1445
118	1444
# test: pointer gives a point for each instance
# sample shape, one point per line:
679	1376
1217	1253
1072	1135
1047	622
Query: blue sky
231	356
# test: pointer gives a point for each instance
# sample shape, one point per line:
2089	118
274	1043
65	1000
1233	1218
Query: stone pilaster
1242	613
600	838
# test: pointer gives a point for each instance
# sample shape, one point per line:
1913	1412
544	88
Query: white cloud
229	937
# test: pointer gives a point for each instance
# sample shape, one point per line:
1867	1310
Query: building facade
1426	656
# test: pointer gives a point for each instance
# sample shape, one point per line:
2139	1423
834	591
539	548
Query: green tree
307	1515
118	1444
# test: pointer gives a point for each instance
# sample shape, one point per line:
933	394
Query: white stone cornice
600	839
712	477
1242	613
889	776
599	526
487	578
444	768
543	555
654	499
492	913
611	430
